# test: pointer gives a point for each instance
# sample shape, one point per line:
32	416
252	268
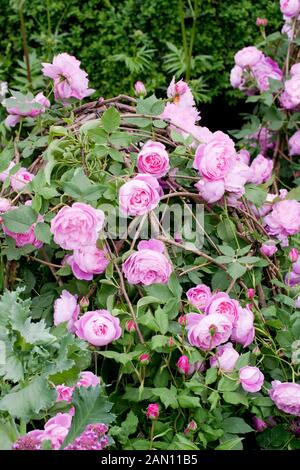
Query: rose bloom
251	379
268	248
181	94
183	364
66	309
295	69
214	159
64	393
294	144
152	411
236	77
98	327
225	358
284	220
140	195
292	88
5	206
32	109
153	159
248	56
70	81
20	179
286	396
5	173
243	331
77	226
87	379
261	169
87	261
243	156
211	191
56	429
265	69
290	8
198	296
207	332
148	265
222	304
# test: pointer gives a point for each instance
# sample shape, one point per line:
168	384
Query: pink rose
140	89
153	159
222	304
139	195
294	144
28	237
251	379
5	173
243	156
236	77
225	358
20	179
70	81
293	255
248	56
56	429
237	177
214	159
199	296
211	191
5	205
258	424
87	379
147	265
182	118
284	220
265	69
183	365
286	396
87	261
292	89
144	358
77	226
33	107
64	393
295	69
243	331
98	327
261	169
66	309
261	22
268	248
152	411
290	8
180	93
207	332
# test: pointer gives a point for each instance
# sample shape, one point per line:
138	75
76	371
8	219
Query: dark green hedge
94	30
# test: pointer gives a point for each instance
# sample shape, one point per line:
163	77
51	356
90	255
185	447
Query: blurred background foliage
121	41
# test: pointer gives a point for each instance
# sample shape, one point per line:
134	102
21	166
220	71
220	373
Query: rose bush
151	280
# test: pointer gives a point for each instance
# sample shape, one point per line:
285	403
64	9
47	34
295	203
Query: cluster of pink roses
223	169
97	327
57	428
221	318
77	228
283	220
149	265
253	70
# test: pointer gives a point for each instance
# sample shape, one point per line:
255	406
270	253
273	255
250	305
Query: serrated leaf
91	406
236	270
20	219
111	120
42	232
168	396
236	425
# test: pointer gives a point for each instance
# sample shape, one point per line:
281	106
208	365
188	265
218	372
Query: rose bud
152	411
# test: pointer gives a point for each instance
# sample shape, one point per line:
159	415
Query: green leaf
227	385
255	194
231	444
27	402
227	250
162	320
42	232
187	401
158	342
235	398
139	122
111	120
236	270
5	158
211	376
294	194
13	368
91	406
20	219
168	396
150	105
122	358
8	434
174	286
236	426
226	230
128	427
